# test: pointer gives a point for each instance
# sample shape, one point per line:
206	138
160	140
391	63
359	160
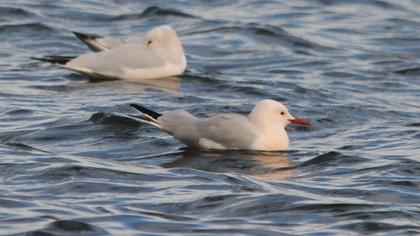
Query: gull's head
164	39
272	112
162	36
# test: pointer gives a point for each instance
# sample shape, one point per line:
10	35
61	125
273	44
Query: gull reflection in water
168	84
264	165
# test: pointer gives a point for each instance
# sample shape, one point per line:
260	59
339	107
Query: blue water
72	163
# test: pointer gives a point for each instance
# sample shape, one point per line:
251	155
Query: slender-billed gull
158	54
262	129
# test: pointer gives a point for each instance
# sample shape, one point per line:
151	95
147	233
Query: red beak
300	121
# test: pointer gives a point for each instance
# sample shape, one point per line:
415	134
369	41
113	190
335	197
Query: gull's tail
54	59
149	117
90	41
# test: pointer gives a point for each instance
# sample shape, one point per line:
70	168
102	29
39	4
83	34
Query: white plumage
262	129
158	54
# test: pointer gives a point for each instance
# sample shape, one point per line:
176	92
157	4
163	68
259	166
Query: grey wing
103	44
98	44
107	43
110	62
228	130
180	124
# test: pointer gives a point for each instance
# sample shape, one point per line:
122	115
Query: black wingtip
146	111
54	59
83	37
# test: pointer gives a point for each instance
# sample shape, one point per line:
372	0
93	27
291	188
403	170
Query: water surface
73	163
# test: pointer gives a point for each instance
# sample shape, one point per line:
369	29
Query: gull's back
221	131
226	131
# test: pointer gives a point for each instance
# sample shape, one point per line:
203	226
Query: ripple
74	161
268	31
18	112
32	27
410	184
154	11
10	203
113	119
53	88
22	146
75	188
324	159
64	173
414	124
370	227
7	12
409	71
69	227
275	32
378	3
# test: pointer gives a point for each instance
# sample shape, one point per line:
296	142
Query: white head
164	37
165	40
270	117
269	112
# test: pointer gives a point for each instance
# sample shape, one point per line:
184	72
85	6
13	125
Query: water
72	163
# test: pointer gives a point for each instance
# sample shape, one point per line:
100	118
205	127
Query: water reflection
266	165
168	84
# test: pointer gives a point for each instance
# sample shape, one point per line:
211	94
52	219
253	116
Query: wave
109	118
414	71
331	158
17	112
265	31
376	3
66	172
36	27
69	227
7	12
152	12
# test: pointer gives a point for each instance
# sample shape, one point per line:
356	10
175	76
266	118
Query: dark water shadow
68	227
153	11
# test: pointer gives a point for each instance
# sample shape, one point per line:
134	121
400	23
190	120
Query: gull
263	129
158	54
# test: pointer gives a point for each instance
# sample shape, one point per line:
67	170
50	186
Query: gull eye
149	42
282	113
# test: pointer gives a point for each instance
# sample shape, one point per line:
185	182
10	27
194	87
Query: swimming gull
263	129
158	54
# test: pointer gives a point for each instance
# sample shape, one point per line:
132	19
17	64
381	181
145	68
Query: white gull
158	54
262	129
